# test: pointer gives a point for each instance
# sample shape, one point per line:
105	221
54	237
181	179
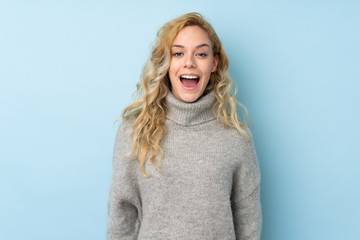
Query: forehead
192	36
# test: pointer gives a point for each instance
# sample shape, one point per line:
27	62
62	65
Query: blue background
68	69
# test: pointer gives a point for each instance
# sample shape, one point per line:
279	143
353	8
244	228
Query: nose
189	61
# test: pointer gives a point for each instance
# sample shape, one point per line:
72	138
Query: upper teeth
189	76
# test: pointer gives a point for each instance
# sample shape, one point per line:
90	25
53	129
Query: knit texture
209	186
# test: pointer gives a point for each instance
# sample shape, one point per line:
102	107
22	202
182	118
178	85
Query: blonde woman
184	164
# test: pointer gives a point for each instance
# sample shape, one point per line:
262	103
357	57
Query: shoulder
234	136
125	127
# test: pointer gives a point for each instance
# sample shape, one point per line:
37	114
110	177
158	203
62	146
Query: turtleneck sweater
208	188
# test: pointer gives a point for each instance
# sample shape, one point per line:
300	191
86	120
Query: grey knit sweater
208	189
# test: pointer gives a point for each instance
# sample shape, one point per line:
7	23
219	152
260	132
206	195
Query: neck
190	113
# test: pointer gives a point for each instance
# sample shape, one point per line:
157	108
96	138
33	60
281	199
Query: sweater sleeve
124	205
245	196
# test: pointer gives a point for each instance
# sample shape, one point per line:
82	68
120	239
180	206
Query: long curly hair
148	108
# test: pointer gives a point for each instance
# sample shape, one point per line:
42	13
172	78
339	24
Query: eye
177	54
203	55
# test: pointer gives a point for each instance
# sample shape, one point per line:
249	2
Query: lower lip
190	88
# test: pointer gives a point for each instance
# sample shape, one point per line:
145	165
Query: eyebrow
198	46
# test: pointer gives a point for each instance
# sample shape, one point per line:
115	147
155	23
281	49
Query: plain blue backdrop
68	69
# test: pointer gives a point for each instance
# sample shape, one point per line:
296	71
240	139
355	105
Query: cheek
172	68
208	69
172	71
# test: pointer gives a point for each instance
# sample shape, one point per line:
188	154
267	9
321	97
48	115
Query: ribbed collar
190	113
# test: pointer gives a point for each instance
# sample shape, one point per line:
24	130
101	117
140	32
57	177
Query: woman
184	165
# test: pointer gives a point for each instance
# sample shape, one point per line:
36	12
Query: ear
215	63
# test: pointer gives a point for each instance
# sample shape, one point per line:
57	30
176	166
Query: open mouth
189	81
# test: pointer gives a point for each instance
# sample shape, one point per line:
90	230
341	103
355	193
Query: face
192	63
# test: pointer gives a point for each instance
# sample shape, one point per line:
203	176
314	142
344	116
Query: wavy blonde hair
148	108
